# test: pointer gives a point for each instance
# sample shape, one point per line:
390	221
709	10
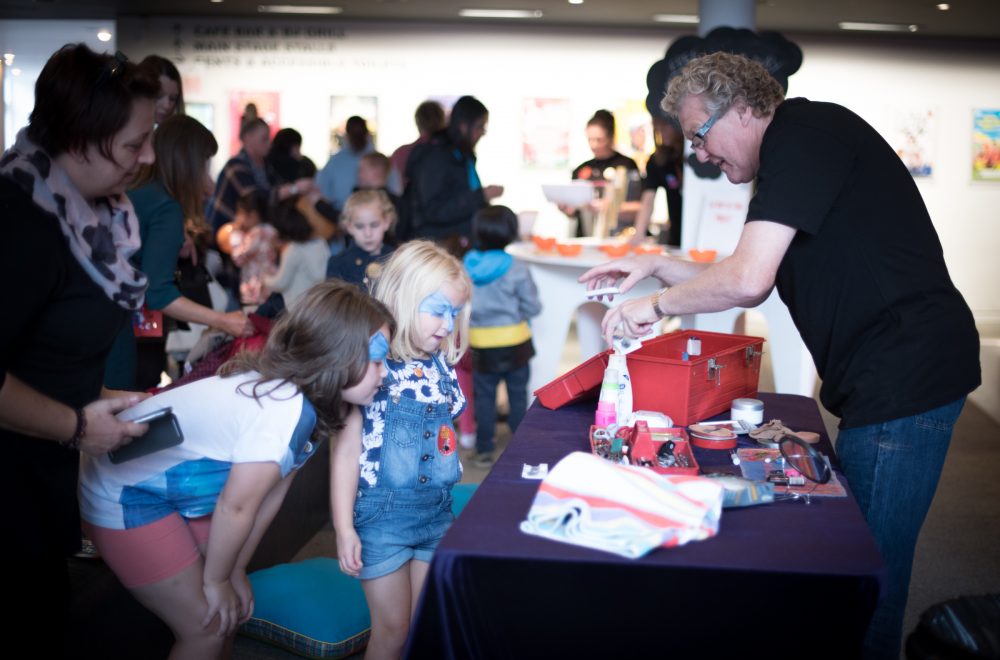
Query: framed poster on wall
986	145
545	133
242	104
914	138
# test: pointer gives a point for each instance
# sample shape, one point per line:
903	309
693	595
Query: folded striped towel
588	501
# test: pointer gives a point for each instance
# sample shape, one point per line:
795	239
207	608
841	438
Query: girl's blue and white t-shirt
222	424
419	380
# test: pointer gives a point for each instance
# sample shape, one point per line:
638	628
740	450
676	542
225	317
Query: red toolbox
688	390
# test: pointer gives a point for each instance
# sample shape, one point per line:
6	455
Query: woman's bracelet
81	428
655	299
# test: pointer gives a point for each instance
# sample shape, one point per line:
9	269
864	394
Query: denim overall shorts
407	513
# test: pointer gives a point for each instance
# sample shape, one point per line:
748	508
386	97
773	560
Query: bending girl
179	526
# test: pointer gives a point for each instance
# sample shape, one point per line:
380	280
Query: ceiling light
879	27
687	19
298	9
944	6
500	13
16	71
8	58
104	34
575	2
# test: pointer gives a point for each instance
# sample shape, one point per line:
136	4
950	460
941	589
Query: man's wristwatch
655	299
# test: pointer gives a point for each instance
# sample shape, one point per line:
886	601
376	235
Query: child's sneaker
467	440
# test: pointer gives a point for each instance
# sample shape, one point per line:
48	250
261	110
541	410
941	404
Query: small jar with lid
748	410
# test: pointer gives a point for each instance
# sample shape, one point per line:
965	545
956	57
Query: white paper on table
574	193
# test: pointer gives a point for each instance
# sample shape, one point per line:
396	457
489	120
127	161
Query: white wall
402	64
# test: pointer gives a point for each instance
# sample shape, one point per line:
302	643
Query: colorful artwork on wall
634	131
914	138
343	108
986	145
242	105
545	133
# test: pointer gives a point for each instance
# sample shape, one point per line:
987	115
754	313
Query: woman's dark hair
429	117
605	120
289	221
166	68
494	228
254	201
320	345
282	166
182	146
284	140
83	98
466	112
357	133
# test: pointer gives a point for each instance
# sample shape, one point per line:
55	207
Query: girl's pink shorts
151	553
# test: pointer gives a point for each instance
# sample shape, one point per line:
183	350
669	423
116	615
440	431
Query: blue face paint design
378	347
437	304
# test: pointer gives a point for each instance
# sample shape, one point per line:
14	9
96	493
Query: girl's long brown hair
183	146
320	345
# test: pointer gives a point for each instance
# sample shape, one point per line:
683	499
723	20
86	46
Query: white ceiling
967	19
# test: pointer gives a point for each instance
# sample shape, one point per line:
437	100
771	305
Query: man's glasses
698	139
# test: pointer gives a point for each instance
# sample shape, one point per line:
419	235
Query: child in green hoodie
503	300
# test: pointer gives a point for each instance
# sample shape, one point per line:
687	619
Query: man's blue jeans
893	470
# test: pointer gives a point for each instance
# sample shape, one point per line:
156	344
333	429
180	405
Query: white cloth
589	501
221	426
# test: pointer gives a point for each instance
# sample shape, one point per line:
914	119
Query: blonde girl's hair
320	345
366	198
413	272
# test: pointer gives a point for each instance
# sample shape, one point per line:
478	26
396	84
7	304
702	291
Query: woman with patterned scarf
67	233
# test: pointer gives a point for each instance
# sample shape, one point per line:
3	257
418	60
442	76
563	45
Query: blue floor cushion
460	494
309	608
312	609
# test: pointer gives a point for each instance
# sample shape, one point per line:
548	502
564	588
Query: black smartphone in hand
164	432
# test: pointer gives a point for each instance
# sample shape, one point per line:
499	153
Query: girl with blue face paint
392	480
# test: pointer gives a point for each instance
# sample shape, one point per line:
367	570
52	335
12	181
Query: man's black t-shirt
864	278
593	169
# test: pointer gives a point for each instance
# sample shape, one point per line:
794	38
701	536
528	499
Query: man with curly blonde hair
838	225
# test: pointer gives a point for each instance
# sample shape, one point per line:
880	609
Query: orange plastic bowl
569	249
615	250
542	243
704	256
648	249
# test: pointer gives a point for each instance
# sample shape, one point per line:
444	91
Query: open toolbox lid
727	368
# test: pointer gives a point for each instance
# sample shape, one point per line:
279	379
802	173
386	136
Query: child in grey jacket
503	300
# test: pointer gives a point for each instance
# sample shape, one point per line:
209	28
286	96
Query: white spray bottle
617	362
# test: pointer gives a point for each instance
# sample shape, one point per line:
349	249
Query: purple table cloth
785	577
